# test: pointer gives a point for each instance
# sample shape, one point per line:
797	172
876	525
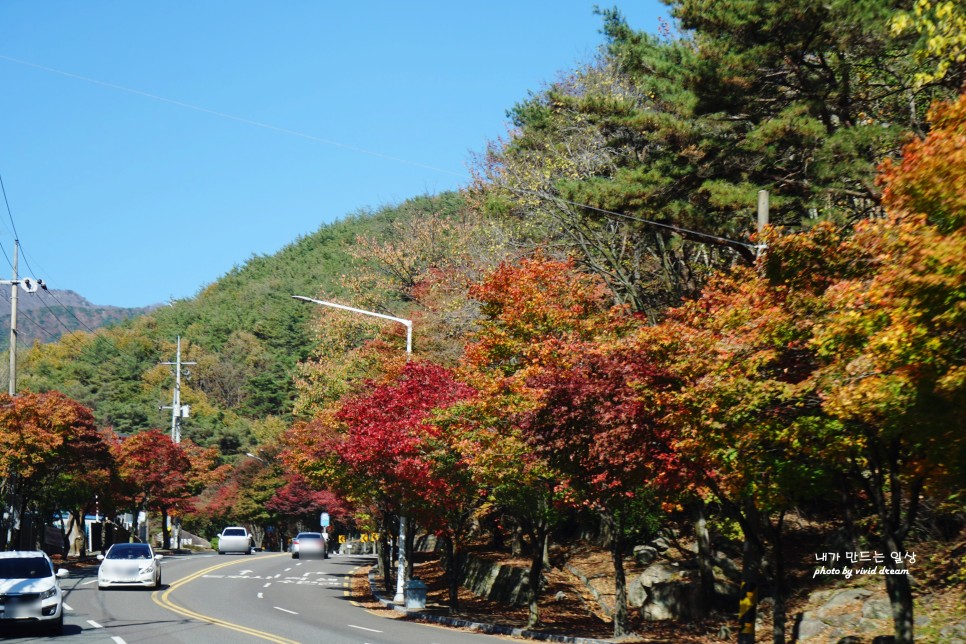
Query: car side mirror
62	572
158	557
100	557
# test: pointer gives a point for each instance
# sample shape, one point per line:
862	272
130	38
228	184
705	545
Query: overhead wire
679	229
50	310
226	115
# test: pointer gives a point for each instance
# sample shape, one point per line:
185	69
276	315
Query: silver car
309	544
129	564
30	591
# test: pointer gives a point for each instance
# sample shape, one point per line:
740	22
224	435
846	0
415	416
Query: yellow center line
164	600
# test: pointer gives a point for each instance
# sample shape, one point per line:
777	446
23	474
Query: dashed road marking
94	624
363	628
164	600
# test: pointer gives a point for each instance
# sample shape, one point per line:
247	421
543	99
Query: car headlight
50	592
148	569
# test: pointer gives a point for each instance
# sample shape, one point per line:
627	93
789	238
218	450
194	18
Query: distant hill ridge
48	315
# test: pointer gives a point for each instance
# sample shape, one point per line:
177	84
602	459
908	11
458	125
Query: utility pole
11	510
762	220
762	209
751	554
30	285
177	410
13	321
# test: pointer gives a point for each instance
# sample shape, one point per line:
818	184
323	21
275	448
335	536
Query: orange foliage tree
50	443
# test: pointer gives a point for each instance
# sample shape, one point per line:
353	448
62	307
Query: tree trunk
900	598
705	556
385	559
899	591
748	604
165	530
621	618
409	544
452	571
778	581
536	571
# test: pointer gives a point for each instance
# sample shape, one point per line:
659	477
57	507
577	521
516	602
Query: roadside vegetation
602	336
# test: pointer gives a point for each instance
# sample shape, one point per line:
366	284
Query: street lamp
401	570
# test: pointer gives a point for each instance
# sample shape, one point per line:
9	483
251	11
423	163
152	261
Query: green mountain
244	332
45	316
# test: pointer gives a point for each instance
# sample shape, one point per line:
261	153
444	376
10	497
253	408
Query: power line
649	222
10	216
16	237
53	313
225	115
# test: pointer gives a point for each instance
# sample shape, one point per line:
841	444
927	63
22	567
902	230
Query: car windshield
25	568
234	532
129	551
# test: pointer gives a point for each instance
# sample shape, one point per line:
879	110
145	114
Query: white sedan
129	564
309	544
30	592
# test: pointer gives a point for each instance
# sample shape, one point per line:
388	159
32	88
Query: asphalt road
211	599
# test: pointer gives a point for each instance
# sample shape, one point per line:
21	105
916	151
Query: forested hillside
245	332
47	315
604	341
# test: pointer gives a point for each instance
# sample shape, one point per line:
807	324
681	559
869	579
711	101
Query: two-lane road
267	597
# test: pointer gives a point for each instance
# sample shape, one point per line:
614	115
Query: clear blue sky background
146	148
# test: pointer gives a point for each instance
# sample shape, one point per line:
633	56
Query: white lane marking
118	640
261	595
287	569
267	585
363	628
89	581
66	607
285	610
94	624
244	572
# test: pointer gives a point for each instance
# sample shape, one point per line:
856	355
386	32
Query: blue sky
146	148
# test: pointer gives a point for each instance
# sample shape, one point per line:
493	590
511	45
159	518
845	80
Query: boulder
645	555
665	591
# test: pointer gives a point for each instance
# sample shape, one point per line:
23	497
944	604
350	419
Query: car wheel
295	555
57	627
157	582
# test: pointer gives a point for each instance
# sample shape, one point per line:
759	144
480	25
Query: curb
488	629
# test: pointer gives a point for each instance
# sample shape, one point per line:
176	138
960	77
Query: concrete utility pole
30	285
177	410
762	220
13	321
11	510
